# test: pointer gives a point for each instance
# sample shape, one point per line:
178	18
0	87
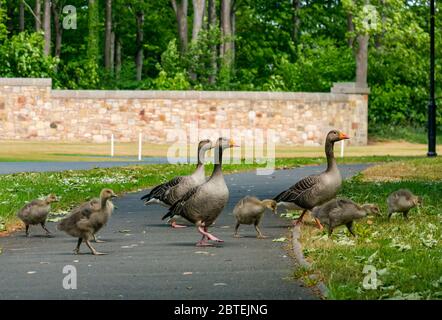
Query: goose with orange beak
203	204
316	190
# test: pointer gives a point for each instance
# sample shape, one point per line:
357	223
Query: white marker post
112	145
342	148
140	136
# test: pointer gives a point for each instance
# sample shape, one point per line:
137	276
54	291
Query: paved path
149	260
14	167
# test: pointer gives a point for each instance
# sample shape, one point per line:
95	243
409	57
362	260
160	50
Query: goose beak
114	195
233	144
343	136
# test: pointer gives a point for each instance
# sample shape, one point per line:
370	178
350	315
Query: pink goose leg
205	234
176	225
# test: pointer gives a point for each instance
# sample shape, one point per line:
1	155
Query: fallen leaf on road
187	273
31	272
220	284
201	252
124	231
282	239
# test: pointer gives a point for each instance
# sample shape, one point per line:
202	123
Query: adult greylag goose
249	210
203	204
36	212
86	220
168	193
338	212
403	201
317	189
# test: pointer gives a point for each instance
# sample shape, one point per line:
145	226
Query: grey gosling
403	201
338	212
168	193
317	189
249	210
36	212
86	220
203	204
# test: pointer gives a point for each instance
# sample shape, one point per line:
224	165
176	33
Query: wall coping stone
36	82
349	88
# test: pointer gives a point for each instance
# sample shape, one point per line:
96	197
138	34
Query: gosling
36	212
338	212
402	201
86	220
249	210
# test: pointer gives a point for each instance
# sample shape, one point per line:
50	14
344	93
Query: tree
139	44
180	8
213	25
22	16
56	13
108	52
198	16
47	27
226	50
37	15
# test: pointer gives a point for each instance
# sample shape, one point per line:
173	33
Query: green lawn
406	254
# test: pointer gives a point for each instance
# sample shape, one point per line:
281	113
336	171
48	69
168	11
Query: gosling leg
94	252
27	230
77	248
96	240
236	235
405	214
260	235
48	233
350	228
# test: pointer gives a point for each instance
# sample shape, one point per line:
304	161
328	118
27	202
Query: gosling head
271	204
107	194
418	201
51	198
336	135
372	209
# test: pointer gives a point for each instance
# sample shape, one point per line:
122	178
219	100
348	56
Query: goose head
205	145
107	194
225	143
336	135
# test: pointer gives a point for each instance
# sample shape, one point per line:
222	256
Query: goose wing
160	191
179	207
300	192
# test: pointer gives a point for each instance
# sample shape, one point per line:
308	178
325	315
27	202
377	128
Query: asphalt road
51	166
149	260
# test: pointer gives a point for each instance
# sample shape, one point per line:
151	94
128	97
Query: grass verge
407	255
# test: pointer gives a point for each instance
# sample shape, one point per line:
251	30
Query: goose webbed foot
299	221
176	225
94	252
204	243
208	235
96	240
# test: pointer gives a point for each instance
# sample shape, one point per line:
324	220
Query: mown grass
400	133
406	254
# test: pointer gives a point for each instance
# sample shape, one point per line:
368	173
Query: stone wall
30	109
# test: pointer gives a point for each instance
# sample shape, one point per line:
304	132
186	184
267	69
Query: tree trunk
198	16
93	24
112	52
108	35
117	57
212	19
47	28
37	12
362	60
180	9
296	21
57	28
139	45
22	16
350	29
226	31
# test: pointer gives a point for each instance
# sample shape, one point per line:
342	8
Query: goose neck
218	161
329	152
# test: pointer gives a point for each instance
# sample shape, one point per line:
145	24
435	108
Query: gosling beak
114	195
233	144
343	136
